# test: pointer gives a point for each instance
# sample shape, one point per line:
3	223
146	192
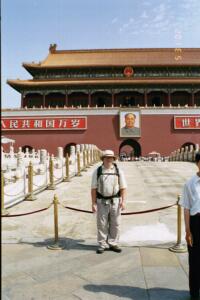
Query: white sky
28	27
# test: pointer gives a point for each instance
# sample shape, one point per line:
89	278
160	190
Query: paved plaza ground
145	270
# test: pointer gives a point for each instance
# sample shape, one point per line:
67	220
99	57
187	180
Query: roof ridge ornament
52	48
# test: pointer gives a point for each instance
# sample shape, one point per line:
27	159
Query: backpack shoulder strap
117	169
99	172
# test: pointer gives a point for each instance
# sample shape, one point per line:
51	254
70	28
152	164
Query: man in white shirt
108	199
191	202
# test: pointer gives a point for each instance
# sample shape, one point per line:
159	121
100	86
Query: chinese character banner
187	122
69	123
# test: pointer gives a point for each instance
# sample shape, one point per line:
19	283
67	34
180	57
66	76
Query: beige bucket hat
108	153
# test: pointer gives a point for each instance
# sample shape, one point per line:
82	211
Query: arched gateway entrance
68	148
188	144
129	148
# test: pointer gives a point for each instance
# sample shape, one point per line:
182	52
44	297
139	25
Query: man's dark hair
197	157
126	115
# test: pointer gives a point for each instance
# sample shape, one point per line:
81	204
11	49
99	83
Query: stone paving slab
82	274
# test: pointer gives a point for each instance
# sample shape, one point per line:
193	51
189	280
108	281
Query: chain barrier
57	246
91	212
58	168
13	180
124	214
58	178
39	185
76	209
28	213
148	211
8	180
34	184
14	194
19	178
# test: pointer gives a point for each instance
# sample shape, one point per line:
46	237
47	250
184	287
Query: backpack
99	173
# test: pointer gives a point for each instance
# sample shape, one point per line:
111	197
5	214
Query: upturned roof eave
20	84
31	67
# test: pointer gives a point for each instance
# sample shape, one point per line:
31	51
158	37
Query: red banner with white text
187	122
44	123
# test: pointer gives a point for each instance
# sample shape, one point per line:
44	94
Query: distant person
191	202
129	129
108	199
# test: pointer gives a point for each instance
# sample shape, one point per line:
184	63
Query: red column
66	99
192	98
22	100
113	99
89	99
44	100
145	97
169	98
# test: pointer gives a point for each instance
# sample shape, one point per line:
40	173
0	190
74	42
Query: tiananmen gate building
128	100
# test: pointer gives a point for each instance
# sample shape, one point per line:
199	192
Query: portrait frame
123	130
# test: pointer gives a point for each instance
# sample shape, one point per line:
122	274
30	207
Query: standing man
191	203
108	199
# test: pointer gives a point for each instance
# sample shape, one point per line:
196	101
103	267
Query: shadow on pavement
137	293
79	244
67	243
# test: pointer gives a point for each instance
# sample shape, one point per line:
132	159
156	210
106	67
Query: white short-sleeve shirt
191	195
108	185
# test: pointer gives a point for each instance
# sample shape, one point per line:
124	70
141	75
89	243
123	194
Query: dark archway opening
101	101
197	99
188	144
27	147
129	101
67	148
156	101
130	148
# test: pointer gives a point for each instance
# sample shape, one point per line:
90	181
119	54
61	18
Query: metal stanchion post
87	158
56	245
99	156
24	181
78	165
178	247
62	170
93	156
30	195
46	166
4	211
91	162
84	162
51	168
66	179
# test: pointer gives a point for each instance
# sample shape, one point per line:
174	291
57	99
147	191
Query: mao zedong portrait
130	129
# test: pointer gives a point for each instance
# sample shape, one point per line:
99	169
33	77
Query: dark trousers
194	256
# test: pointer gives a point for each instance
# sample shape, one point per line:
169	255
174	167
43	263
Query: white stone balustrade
191	153
15	170
186	153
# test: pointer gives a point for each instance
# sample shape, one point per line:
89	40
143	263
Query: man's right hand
188	238
94	208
